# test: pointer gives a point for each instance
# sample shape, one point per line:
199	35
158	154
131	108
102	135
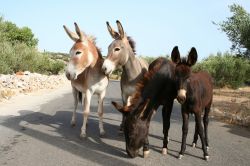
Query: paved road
45	137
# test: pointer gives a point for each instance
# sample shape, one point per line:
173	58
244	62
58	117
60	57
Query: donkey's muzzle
70	76
132	153
181	96
108	67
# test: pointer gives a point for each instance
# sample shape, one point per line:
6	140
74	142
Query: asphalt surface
45	138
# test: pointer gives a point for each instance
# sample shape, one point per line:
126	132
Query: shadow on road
67	138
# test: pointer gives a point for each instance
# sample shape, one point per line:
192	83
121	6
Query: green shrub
20	57
227	70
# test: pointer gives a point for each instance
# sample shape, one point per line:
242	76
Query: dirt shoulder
232	106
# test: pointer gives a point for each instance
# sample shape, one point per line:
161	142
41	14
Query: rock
26	73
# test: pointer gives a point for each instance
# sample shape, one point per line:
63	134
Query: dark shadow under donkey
195	93
156	88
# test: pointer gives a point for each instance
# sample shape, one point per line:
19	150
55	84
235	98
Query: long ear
192	57
175	55
82	37
120	29
72	35
118	107
142	109
113	33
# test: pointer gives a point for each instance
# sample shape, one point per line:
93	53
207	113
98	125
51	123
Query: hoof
145	154
180	156
83	135
164	151
194	145
120	131
207	148
206	158
72	123
102	134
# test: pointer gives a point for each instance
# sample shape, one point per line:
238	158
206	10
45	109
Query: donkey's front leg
75	95
185	117
86	111
166	114
146	148
100	112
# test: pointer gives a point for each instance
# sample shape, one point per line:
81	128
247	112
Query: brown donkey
195	93
121	52
84	71
156	88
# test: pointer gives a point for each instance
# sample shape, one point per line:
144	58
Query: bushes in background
226	69
18	52
20	57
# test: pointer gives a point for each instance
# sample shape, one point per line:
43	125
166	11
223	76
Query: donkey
84	72
195	93
121	52
156	88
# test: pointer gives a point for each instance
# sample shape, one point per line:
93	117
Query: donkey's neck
132	68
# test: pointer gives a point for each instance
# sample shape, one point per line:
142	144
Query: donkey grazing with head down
195	93
156	88
84	71
121	52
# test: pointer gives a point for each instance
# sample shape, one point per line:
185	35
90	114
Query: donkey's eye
117	49
78	52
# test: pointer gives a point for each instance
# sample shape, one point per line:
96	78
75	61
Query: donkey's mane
131	43
93	40
140	86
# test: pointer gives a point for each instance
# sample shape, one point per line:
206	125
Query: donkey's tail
80	97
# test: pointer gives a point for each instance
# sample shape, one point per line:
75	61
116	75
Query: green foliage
149	59
18	52
227	70
20	57
237	28
13	34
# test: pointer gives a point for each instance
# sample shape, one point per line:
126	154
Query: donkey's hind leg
76	97
201	134
205	122
100	112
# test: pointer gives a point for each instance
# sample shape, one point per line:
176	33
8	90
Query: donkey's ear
120	29
118	107
192	57
113	33
175	55
72	35
82	37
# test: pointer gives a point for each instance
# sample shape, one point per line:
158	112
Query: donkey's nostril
104	69
68	76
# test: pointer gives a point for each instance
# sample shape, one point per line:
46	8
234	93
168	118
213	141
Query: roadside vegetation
18	52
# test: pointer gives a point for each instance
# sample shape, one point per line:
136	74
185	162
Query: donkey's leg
166	114
86	111
100	112
201	134
205	122
124	100
75	95
146	148
195	136
185	117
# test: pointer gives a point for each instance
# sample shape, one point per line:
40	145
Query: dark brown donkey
195	93
156	88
